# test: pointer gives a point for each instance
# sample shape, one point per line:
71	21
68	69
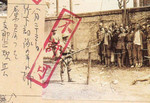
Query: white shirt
137	37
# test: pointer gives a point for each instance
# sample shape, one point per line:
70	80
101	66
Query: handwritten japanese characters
21	39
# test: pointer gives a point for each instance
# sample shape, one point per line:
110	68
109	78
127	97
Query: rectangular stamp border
45	84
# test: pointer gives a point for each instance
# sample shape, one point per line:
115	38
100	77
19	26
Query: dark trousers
130	52
101	53
121	53
130	56
107	55
148	49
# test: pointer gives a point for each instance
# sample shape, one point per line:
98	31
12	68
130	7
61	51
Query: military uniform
129	47
66	59
144	52
100	36
121	49
107	47
54	42
115	34
148	42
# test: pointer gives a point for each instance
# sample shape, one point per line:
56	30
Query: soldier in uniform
100	36
144	52
138	46
129	46
115	33
66	58
107	47
148	42
54	40
121	47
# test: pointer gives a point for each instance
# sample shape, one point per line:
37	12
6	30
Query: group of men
122	46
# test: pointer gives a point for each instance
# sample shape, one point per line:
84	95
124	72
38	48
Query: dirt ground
105	84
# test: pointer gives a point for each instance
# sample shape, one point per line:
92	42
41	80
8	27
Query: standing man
144	52
54	41
148	42
121	47
107	47
129	46
115	34
100	36
138	46
66	58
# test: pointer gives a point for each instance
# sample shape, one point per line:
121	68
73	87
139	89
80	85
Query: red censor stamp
63	24
36	1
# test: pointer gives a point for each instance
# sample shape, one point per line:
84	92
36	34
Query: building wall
89	25
144	2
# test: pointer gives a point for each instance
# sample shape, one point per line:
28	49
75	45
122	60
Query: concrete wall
89	25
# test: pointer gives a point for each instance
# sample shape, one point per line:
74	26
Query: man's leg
148	49
123	57
140	56
105	55
119	57
108	56
135	55
68	72
62	71
130	57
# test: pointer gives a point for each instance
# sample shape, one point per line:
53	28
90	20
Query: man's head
126	27
54	31
65	36
100	25
137	26
121	25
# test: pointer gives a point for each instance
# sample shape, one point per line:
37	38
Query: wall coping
108	12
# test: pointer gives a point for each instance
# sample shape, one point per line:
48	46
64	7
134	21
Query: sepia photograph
108	56
75	51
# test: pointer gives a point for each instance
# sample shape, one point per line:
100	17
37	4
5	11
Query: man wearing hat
66	58
54	40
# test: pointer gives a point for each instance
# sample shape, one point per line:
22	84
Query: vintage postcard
74	51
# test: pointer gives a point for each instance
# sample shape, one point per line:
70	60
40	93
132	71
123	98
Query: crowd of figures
124	45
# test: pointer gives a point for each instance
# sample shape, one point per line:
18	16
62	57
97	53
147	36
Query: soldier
148	42
144	53
112	53
138	46
100	36
115	33
129	46
66	59
121	47
107	47
54	40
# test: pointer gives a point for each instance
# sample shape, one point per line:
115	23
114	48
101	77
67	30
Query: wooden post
71	5
57	7
124	15
135	3
89	64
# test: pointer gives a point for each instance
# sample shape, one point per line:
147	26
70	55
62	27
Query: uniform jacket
121	41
